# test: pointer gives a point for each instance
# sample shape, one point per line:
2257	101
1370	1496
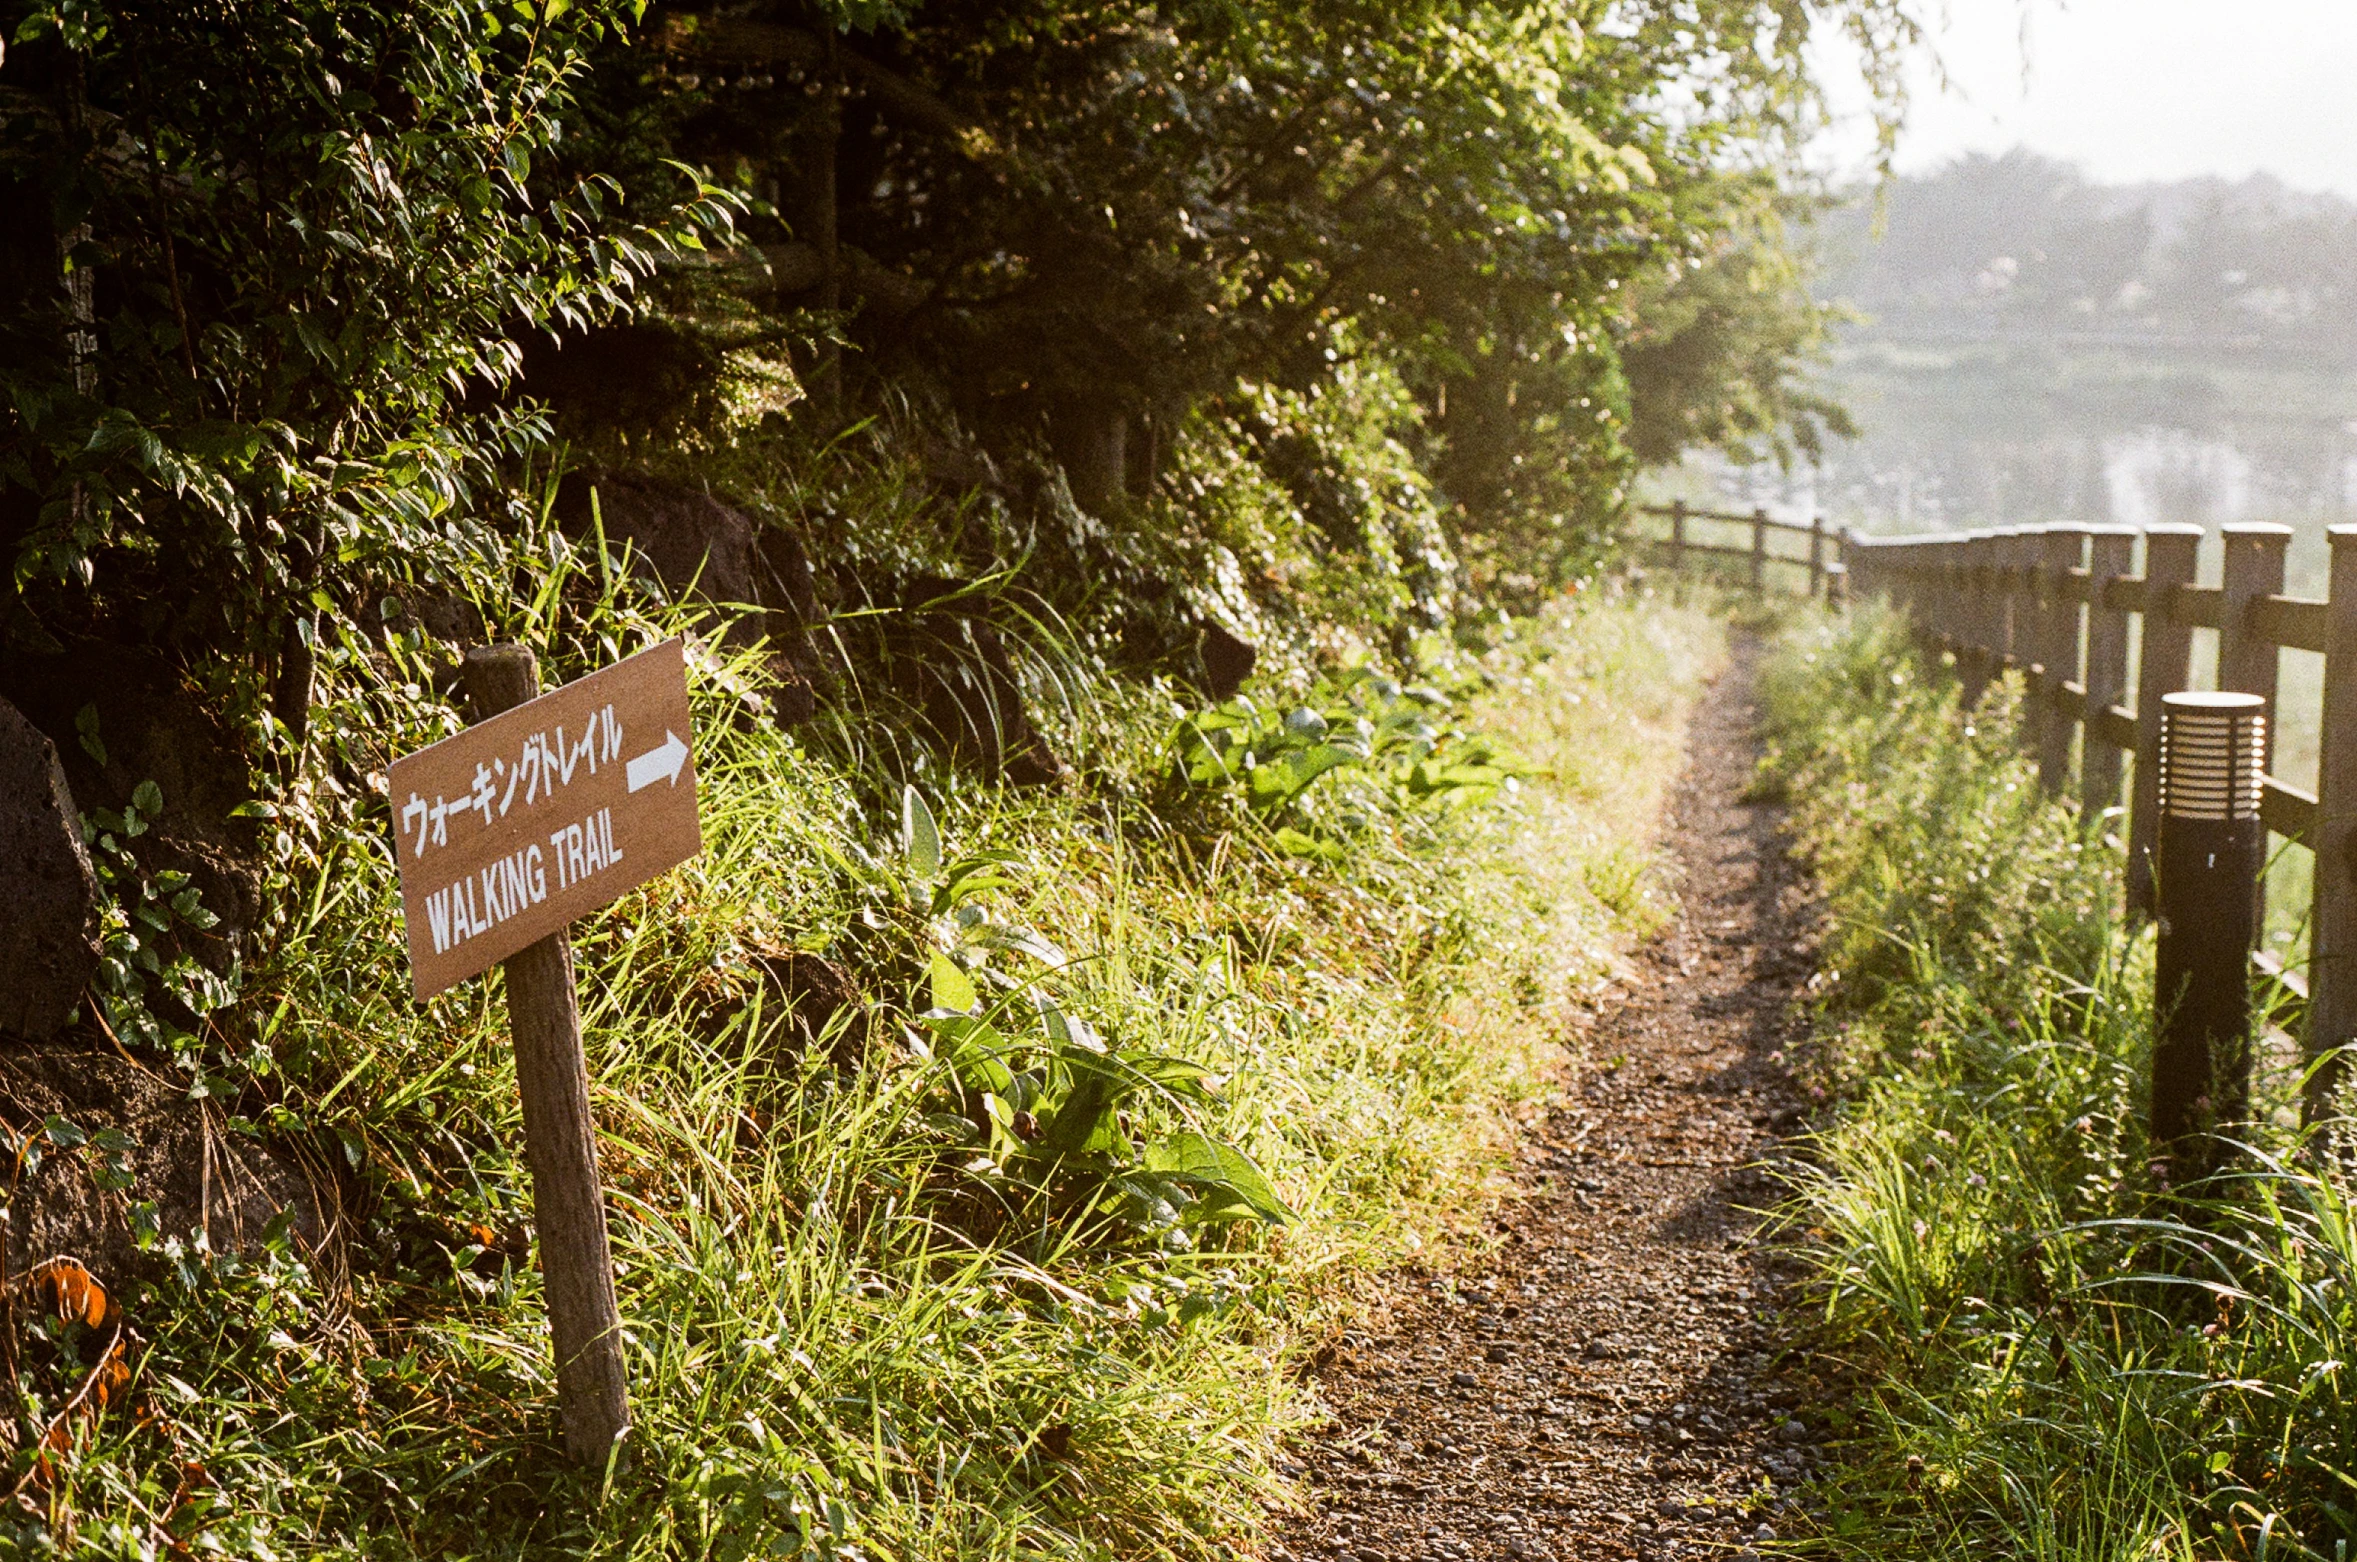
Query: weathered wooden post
2163	663
2247	663
542	811
1981	610
2332	927
560	1138
2059	551
1945	586
1677	533
2254	568
2212	849
2012	615
1759	549
1816	555
2110	551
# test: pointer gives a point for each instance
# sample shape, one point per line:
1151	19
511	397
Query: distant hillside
2022	247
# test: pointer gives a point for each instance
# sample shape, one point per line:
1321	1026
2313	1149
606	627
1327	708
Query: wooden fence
1693	532
2069	608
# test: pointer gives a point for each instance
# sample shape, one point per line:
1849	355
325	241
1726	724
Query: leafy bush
1367	723
293	244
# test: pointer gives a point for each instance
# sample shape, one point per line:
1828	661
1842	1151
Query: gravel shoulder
1603	1384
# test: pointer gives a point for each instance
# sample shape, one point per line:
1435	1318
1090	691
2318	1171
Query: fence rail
2064	606
1827	574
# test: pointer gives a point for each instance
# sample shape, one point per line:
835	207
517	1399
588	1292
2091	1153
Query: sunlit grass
843	1340
2064	1358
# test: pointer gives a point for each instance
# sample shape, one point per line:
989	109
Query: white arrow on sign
659	764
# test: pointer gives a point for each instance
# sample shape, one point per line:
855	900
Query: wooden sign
542	814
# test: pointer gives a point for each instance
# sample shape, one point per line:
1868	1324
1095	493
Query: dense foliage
305	279
280	244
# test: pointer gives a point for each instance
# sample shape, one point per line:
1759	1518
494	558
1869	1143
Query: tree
282	242
1717	349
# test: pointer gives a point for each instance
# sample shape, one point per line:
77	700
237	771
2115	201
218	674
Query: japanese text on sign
543	813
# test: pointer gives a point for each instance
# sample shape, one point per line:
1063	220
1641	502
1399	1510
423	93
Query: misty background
2116	282
2035	346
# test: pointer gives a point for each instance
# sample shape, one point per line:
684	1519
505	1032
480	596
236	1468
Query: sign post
549	807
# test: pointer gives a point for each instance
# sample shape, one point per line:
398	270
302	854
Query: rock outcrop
49	934
955	672
119	716
74	1194
825	1007
1227	661
694	544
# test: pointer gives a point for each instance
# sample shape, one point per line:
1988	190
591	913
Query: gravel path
1603	1386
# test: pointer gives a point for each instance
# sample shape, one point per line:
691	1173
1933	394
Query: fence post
2246	663
2009	620
1677	533
2059	550
2332	927
1908	570
1947	583
1816	555
2254	569
1759	549
2213	847
2110	550
1984	615
2163	661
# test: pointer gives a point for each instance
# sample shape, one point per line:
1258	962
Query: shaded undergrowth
2062	1357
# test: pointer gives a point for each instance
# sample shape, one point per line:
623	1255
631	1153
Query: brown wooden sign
542	814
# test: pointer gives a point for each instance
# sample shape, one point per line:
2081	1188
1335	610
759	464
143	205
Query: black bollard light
2212	848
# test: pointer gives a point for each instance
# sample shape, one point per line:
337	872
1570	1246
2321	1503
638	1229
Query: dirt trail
1602	1389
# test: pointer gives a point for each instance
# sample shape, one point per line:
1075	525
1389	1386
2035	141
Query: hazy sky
2143	89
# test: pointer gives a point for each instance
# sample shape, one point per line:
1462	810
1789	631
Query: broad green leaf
974	1049
1085	1121
1220	1168
1300	843
920	837
952	988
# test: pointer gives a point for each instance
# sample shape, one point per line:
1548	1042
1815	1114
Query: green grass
2058	1356
858	1323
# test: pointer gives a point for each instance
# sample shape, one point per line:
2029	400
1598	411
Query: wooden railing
2060	605
1692	530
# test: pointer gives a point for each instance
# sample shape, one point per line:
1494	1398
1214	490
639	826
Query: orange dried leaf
71	1292
113	1378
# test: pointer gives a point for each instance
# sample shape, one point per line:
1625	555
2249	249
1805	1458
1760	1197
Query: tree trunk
1091	440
